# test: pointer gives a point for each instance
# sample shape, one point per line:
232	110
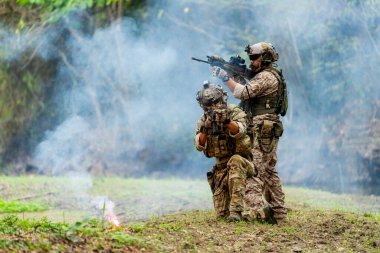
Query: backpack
282	101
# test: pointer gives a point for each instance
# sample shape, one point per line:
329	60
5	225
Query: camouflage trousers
228	182
265	159
253	200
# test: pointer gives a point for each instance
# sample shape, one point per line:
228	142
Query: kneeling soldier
221	133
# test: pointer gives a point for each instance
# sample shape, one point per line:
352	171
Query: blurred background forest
107	87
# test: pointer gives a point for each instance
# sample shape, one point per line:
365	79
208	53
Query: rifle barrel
196	59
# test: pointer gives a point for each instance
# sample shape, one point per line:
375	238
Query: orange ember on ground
112	218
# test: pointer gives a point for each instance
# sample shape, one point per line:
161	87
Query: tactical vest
221	145
277	103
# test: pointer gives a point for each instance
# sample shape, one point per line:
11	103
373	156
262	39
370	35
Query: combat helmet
265	49
211	94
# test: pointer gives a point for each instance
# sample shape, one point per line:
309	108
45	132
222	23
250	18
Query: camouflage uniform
228	177
265	143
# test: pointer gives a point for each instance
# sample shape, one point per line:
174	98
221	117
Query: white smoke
133	83
127	92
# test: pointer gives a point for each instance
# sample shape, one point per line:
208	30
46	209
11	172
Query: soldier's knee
234	162
235	159
234	166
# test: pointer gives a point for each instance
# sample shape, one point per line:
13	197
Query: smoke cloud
127	92
129	97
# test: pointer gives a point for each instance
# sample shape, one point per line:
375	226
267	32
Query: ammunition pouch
266	136
220	145
278	129
269	131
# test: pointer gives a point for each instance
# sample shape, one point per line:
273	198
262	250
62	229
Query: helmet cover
211	94
263	48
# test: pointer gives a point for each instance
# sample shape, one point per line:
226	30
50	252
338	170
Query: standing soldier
221	133
263	98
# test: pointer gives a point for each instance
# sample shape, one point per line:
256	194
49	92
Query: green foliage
24	97
12	225
17	207
171	226
44	235
124	239
53	10
89	227
137	228
66	4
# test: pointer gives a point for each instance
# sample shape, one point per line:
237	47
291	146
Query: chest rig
276	103
219	144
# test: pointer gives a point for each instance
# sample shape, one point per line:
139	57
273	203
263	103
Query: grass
135	199
190	193
18	207
159	216
43	235
307	229
321	199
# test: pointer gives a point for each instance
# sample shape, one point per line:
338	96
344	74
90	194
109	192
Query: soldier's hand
222	116
220	73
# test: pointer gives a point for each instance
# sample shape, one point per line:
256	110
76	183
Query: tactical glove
220	73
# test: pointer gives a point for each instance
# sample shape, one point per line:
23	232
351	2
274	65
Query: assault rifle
216	126
235	67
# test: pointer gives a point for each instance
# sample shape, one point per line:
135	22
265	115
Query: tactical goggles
211	102
254	57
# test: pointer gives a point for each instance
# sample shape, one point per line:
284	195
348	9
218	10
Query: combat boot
268	213
234	217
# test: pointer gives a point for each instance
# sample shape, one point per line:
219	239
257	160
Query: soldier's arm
262	84
238	124
241	91
200	136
